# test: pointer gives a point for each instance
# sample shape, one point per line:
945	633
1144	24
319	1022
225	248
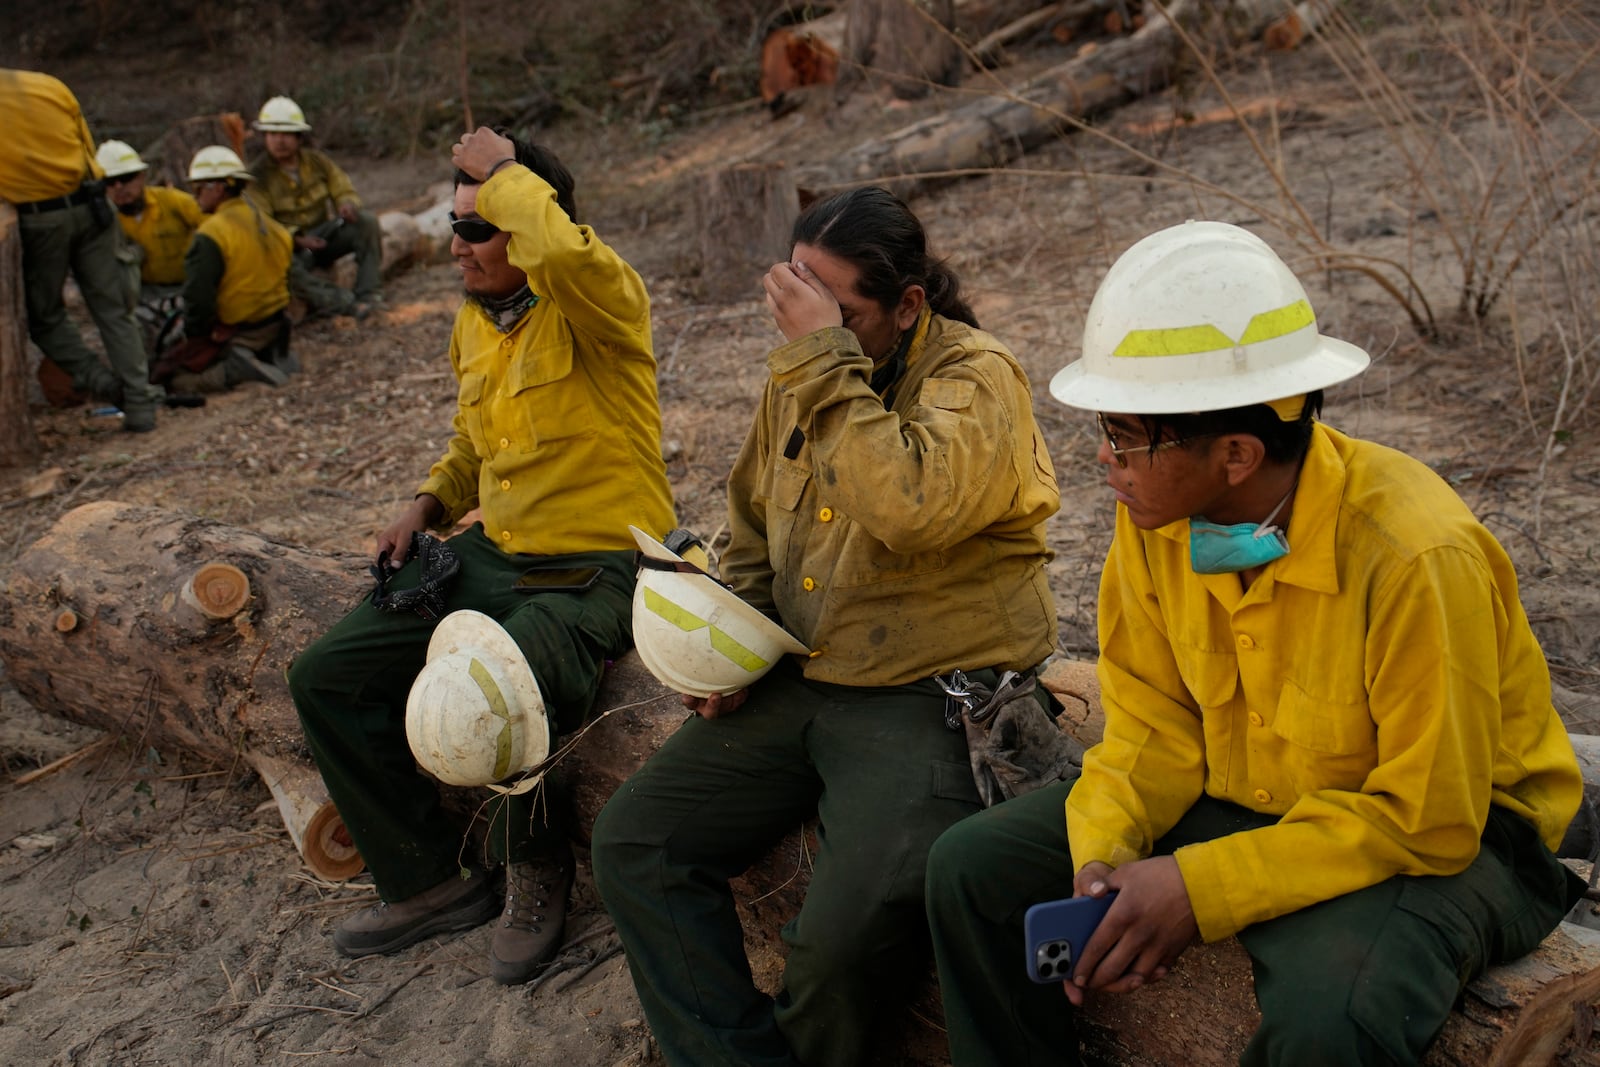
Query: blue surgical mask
1215	549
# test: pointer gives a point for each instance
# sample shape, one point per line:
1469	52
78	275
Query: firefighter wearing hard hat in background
48	171
1328	725
158	222
310	195
235	286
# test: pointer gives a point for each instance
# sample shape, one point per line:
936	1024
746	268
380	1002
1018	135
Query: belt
81	195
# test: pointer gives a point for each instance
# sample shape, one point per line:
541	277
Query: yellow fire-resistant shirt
307	198
897	543
46	150
254	258
1378	687
163	229
557	427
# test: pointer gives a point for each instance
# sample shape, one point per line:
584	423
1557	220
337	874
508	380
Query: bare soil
152	908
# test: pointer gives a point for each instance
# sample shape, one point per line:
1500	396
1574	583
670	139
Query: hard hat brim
467	630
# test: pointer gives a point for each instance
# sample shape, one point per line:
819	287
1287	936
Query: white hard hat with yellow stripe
1199	317
693	633
475	715
117	158
282	115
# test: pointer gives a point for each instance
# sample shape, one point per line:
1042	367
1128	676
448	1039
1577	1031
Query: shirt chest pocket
1327	744
546	399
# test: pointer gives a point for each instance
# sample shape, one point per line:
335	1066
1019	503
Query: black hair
1285	442
874	231
542	162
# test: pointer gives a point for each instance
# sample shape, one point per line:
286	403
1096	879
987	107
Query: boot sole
464	916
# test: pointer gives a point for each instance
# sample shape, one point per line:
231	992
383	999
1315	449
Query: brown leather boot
453	904
530	927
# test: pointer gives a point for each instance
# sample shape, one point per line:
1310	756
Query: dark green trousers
884	776
1364	979
364	237
68	239
350	689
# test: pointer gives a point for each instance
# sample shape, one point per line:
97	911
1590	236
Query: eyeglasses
1120	452
473	231
121	179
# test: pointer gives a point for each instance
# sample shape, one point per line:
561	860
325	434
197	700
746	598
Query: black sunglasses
121	179
473	231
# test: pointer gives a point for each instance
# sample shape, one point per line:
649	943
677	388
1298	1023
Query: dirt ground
152	908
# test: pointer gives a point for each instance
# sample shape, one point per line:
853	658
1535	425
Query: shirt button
505	442
826	514
808	585
505	483
1255	719
1246	641
1262	796
505	535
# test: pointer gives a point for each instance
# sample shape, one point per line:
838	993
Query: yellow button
1262	796
808	585
505	442
1255	719
1246	641
505	535
826	514
505	483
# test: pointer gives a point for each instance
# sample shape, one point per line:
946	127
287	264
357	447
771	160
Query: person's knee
304	673
1317	1032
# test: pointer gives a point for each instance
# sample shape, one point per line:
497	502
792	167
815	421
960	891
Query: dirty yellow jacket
46	151
900	543
1378	687
303	201
237	268
557	426
163	229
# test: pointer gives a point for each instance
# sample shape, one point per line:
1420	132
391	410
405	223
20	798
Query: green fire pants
364	237
350	689
1361	980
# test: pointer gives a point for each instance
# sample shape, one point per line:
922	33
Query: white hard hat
694	634
1200	317
282	115
118	157
475	715
216	162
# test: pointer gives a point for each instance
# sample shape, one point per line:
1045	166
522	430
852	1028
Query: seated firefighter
1328	724
158	223
558	442
235	288
310	195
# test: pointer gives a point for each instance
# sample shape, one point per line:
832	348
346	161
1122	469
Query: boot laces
526	895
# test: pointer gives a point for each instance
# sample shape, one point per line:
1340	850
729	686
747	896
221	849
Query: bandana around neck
506	311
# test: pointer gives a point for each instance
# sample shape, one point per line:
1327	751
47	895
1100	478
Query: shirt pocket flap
1322	725
471	390
947	393
539	367
788	483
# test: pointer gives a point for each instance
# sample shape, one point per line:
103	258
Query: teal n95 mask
1217	549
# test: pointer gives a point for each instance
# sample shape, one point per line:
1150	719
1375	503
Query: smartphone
1056	931
557	579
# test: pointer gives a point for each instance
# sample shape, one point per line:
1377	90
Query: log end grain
217	590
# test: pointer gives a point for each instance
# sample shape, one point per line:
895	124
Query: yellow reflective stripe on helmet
1193	340
688	622
500	710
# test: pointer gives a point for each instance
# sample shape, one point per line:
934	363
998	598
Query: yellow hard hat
694	634
282	115
1200	317
118	157
475	715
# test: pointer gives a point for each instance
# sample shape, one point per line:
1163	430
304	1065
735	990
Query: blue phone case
1056	931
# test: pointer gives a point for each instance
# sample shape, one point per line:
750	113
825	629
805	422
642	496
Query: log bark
994	130
745	214
18	443
909	45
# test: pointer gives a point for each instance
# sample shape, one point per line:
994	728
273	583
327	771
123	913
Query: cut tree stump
907	44
746	212
18	443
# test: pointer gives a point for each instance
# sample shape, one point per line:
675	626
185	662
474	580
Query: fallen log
994	130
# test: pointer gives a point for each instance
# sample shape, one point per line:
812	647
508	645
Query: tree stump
908	44
746	212
18	444
169	157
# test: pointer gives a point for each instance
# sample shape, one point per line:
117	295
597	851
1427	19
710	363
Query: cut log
994	130
804	54
745	214
313	822
18	443
909	45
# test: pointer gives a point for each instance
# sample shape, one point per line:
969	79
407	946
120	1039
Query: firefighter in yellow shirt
158	222
49	173
314	199
1328	724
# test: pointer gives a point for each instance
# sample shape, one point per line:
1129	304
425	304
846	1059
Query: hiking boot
454	904
242	365
530	927
141	420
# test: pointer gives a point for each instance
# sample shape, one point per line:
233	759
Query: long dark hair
873	230
542	162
